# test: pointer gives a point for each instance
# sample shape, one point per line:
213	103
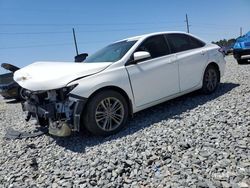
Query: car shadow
13	101
169	110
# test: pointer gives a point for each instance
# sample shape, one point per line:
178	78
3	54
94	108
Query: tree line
225	42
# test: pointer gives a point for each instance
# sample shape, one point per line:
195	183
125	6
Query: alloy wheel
109	114
211	79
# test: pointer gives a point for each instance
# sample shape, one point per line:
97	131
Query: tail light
222	51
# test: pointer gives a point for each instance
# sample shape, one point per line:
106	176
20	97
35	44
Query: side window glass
178	42
182	42
155	45
195	43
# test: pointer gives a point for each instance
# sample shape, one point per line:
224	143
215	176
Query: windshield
111	53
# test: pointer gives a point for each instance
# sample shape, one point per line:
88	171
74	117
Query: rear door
191	58
157	77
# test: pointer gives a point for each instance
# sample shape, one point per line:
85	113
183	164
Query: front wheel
106	113
211	79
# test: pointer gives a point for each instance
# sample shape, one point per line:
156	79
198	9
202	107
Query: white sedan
121	79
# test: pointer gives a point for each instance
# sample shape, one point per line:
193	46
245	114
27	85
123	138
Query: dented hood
53	75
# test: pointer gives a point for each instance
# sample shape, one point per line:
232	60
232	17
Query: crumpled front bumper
57	126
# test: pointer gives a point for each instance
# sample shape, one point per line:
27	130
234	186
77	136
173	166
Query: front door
155	78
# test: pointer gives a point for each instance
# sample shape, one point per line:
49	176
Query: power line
121	24
206	33
86	31
86	24
34	33
204	25
49	45
69	44
91	31
212	25
80	31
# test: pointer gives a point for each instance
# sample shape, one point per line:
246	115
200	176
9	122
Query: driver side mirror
141	55
81	57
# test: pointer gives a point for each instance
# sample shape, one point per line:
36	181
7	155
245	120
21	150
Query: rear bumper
241	54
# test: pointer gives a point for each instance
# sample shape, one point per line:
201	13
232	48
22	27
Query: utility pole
240	31
74	35
187	23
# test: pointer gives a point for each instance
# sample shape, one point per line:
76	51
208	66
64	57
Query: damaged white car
123	78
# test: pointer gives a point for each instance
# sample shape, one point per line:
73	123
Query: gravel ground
192	141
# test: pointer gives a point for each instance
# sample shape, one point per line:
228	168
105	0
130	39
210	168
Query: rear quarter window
182	42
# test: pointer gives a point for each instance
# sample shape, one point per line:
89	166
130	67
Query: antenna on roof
187	23
74	35
79	57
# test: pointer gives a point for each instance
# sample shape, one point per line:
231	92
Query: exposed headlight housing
68	89
64	92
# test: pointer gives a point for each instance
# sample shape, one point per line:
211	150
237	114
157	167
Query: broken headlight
64	92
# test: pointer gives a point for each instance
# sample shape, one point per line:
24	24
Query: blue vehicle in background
241	49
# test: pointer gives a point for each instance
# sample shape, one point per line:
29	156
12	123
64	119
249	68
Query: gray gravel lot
193	141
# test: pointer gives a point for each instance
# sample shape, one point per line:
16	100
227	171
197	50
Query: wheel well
216	66
119	90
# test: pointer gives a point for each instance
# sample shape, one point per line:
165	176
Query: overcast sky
42	30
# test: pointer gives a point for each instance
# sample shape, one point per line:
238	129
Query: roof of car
151	34
136	38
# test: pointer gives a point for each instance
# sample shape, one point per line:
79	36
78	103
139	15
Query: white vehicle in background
121	79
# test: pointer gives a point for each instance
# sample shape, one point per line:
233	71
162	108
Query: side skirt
139	108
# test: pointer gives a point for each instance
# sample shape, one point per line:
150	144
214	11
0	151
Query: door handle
173	58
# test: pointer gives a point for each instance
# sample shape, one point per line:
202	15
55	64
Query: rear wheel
211	79
106	113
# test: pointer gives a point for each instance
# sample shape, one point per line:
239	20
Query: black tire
211	79
102	112
242	61
42	122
